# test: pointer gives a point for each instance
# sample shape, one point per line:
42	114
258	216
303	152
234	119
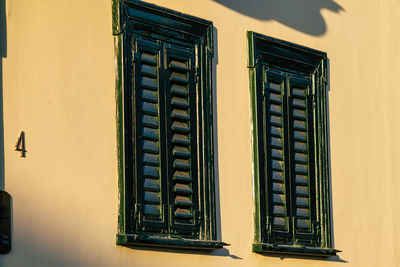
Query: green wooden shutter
301	157
151	198
182	140
276	157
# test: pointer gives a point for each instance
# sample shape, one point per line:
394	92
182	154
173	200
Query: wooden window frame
285	57
132	17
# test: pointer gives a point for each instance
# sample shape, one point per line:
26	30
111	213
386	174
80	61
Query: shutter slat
182	152
181	139
149	83
151	211
279	211
301	180
279	222
180	127
150	171
149	108
148	58
151	197
150	134
150	159
179	90
149	96
303	225
180	176
181	164
277	165
276	143
150	146
277	176
151	185
179	78
276	132
183	214
303	213
277	154
302	191
183	189
180	114
183	202
275	99
180	102
150	121
149	71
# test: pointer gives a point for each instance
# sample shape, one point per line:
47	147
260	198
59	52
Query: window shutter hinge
266	75
171	213
122	30
314	100
196	74
138	213
325	80
257	61
198	217
316	230
269	226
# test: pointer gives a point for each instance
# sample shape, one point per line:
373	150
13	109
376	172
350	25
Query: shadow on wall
304	15
3	54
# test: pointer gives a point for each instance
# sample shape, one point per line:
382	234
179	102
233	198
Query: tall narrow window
290	147
167	182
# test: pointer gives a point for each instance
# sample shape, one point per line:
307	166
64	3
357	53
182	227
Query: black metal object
5	222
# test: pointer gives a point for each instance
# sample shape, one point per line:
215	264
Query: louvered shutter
148	108
276	158
182	141
302	160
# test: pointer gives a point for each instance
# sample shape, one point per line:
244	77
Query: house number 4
20	146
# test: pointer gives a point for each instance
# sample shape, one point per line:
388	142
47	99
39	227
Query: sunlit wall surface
57	83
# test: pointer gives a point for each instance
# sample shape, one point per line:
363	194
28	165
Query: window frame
290	57
137	17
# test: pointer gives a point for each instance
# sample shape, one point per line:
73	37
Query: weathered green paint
116	29
159	241
298	60
119	112
133	20
298	250
254	127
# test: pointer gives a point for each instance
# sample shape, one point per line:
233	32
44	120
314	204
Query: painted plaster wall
57	73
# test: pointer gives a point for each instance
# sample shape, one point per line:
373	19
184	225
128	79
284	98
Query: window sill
157	241
299	250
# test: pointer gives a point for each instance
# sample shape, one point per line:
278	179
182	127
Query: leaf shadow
304	16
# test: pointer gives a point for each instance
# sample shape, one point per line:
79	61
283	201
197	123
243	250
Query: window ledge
299	250
158	241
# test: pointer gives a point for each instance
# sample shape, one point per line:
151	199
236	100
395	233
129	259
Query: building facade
200	133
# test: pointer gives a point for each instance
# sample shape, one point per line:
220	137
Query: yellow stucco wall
58	86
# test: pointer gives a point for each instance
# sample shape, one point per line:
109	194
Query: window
291	176
165	128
